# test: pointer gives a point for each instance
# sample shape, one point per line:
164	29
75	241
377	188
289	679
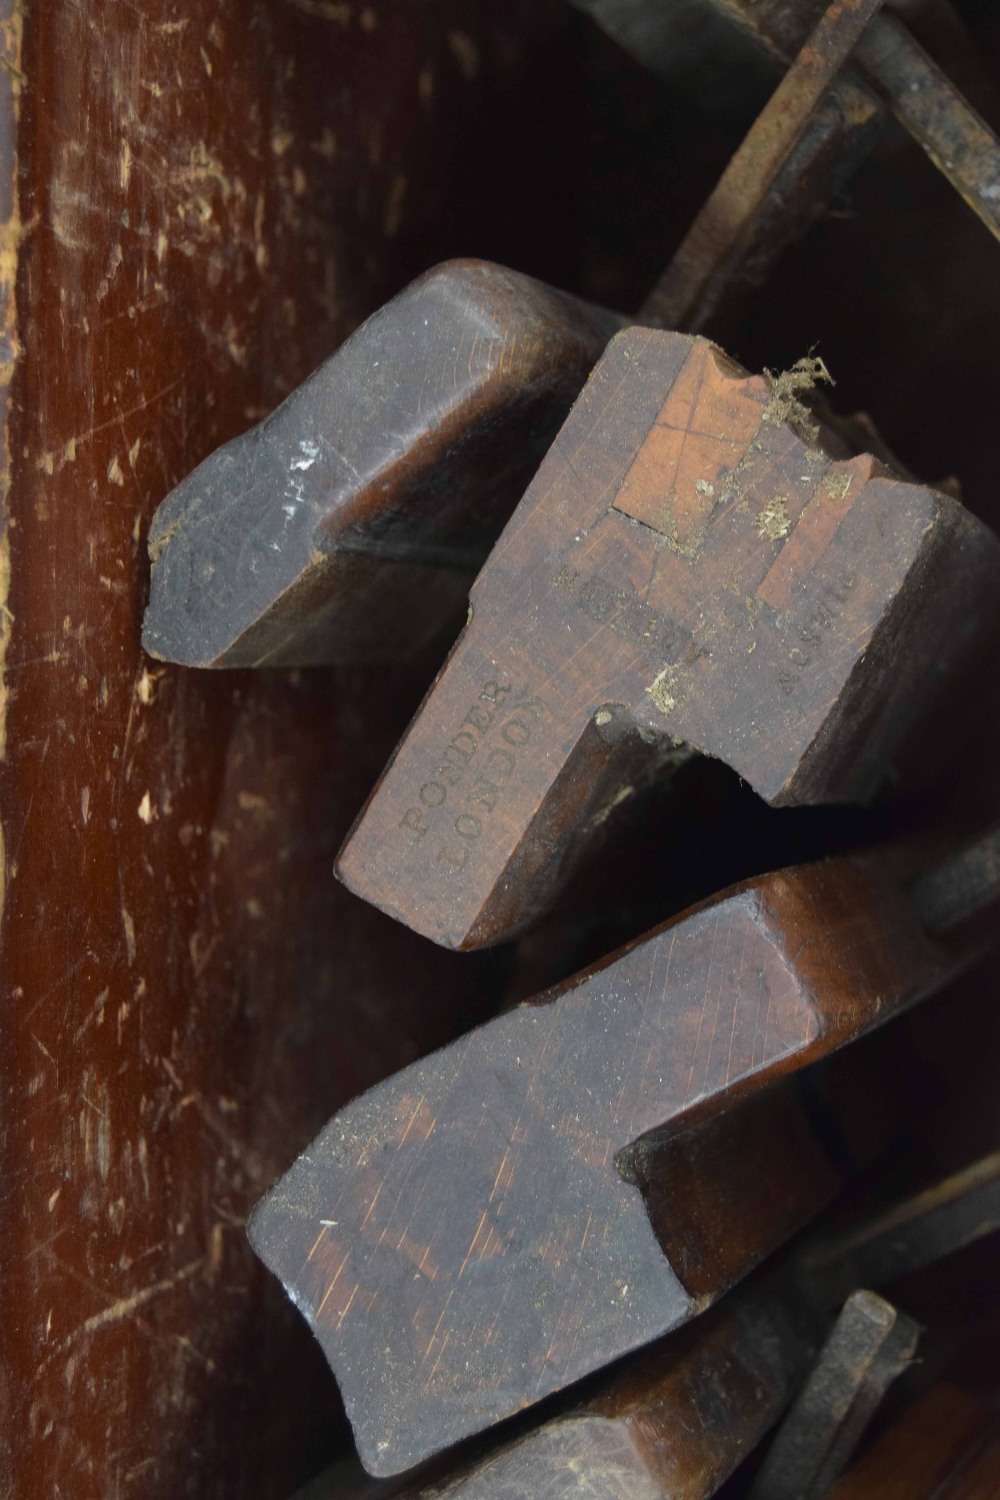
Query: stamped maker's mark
468	778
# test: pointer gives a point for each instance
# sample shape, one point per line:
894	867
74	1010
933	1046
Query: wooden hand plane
691	569
348	525
552	1190
680	1416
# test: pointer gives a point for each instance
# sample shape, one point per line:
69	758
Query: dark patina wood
515	1211
921	1228
945	1446
349	524
869	1346
674	1422
683	1415
194	204
886	59
677	1418
690	568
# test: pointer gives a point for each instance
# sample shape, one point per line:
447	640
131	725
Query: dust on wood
787	390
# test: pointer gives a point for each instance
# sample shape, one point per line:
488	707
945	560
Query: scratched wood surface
155	222
517	1210
199	201
677	1418
350	524
674	1421
689	569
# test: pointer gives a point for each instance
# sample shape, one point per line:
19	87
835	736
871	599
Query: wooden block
910	1234
674	1421
520	1209
689	570
869	1346
348	525
677	1418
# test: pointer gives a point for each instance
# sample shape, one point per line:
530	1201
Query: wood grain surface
511	1213
349	524
870	1345
676	1419
672	1422
687	569
944	1446
199	202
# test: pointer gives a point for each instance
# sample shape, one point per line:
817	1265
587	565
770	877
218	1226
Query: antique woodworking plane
679	1417
695	567
676	1420
348	525
552	1190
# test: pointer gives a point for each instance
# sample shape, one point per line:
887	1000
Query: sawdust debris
773	522
662	690
787	389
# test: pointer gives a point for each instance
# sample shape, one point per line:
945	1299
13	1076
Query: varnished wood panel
199	201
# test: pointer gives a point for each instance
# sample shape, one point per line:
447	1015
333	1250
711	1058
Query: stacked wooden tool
585	1173
639	1165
